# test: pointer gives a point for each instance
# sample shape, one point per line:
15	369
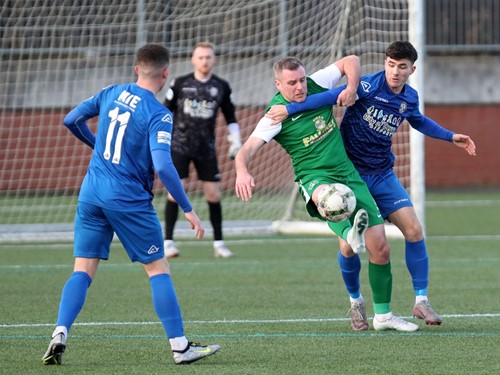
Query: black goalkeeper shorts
206	167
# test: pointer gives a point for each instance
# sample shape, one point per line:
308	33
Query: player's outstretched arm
279	112
244	180
465	142
327	98
432	129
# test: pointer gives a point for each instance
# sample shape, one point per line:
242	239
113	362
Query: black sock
215	211
171	213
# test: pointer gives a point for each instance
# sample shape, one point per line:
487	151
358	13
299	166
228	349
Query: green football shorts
357	185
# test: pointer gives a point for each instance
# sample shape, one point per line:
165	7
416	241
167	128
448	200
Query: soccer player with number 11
132	142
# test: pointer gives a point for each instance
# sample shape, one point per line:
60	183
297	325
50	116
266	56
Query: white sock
218	244
60	329
359	299
420	299
178	343
383	317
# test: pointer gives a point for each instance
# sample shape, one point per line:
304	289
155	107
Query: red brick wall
37	152
448	166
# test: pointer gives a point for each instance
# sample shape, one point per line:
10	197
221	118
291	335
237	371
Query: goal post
408	143
54	55
416	31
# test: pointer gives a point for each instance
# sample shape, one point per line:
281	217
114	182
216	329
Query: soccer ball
336	202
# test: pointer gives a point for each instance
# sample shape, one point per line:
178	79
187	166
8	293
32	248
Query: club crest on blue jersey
402	107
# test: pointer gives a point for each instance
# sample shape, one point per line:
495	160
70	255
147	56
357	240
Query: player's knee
159	266
212	194
345	249
384	253
213	199
413	232
379	252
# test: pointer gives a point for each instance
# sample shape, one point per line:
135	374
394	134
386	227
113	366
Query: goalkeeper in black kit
195	99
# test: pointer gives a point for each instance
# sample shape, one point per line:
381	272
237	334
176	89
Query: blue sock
72	298
350	269
166	306
417	262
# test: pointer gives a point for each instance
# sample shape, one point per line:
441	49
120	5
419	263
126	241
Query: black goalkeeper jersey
195	105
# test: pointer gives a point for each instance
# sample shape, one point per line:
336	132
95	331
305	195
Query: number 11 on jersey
115	117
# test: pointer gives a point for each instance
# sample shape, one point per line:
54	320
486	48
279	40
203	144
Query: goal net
56	53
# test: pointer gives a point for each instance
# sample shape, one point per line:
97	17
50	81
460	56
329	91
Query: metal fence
452	26
462	26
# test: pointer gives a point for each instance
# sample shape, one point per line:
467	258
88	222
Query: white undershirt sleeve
265	131
327	77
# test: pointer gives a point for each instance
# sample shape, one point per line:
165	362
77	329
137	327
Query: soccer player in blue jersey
384	101
132	142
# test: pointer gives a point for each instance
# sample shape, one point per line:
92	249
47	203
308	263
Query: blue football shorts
388	192
139	231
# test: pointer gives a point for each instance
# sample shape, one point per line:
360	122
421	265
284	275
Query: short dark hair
205	44
402	50
288	63
154	55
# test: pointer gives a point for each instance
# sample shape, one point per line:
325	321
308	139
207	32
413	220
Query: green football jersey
313	141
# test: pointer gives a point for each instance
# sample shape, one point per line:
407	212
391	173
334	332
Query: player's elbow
69	122
353	62
162	172
352	58
349	64
245	154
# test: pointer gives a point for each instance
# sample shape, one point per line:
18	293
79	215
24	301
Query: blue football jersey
132	123
368	125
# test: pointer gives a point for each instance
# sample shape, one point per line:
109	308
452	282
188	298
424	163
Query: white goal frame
54	56
416	32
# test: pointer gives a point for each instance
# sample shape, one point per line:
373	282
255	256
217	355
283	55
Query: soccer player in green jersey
384	102
313	141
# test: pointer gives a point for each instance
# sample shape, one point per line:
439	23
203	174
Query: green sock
380	277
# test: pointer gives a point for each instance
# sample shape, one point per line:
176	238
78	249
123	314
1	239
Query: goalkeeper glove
234	146
234	139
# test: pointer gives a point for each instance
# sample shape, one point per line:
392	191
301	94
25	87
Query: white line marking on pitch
235	321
